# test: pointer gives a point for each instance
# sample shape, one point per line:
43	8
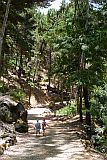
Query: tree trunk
62	96
29	93
20	65
49	68
80	105
2	63
16	61
3	28
30	88
79	102
88	115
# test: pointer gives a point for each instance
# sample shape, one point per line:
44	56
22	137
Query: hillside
30	96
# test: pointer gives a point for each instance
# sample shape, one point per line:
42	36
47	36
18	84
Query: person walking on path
37	127
44	125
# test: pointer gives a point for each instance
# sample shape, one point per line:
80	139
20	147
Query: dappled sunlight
50	145
59	143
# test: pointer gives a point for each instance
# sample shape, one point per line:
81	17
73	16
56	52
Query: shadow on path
60	143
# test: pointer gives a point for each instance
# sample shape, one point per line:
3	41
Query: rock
10	114
20	108
21	126
7	108
7	136
1	150
22	112
10	111
5	114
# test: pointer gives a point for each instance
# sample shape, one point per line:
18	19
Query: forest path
60	143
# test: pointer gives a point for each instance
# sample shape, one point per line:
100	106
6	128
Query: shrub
18	94
3	88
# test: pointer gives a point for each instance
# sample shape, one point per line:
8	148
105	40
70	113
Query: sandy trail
60	143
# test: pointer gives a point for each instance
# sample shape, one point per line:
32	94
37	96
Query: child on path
44	124
37	127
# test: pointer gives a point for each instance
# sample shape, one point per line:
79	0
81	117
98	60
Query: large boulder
5	114
21	123
6	111
7	107
10	112
21	112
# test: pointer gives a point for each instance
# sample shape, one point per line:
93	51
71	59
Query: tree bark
79	102
88	115
29	93
3	28
30	88
49	68
80	105
20	65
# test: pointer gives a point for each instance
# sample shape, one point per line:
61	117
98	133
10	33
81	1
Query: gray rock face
5	114
22	113
13	117
6	109
12	112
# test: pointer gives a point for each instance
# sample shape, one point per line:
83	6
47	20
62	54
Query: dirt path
60	143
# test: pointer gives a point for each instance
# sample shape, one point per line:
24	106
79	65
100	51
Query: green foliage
76	37
18	94
99	114
99	141
3	88
45	78
12	62
30	83
99	104
70	109
105	121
